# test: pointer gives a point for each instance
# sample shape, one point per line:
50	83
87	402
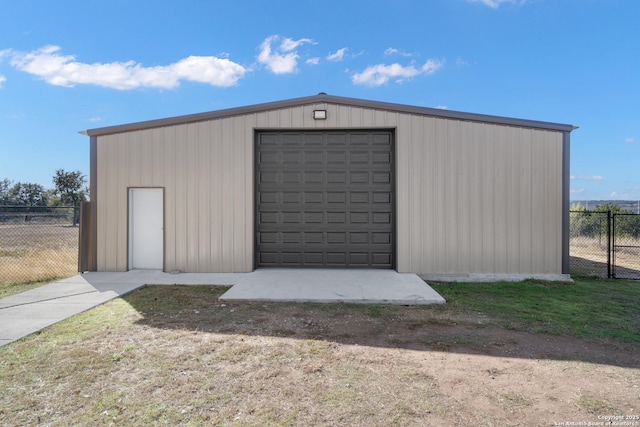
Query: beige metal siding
471	197
479	198
206	177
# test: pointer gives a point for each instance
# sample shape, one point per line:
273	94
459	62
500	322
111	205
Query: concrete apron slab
32	311
333	285
298	285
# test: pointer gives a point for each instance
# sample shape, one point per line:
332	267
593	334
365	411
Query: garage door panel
291	197
269	197
359	258
313	157
311	238
269	140
382	218
356	238
291	217
292	139
336	158
336	217
313	177
291	258
270	158
290	177
312	197
268	237
268	178
381	158
336	197
359	157
382	197
359	217
336	237
313	259
383	258
381	139
336	139
291	237
313	217
292	157
358	197
336	258
325	199
336	177
381	238
269	217
382	177
268	258
359	178
360	139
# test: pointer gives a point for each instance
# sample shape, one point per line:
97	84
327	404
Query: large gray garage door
325	199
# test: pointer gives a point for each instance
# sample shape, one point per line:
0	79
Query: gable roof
328	99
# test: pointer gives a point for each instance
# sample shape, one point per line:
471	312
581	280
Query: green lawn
589	308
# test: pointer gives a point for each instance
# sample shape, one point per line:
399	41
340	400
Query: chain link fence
589	245
626	246
38	243
41	243
605	244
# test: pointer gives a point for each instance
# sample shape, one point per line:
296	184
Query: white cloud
394	51
377	75
577	191
313	61
95	119
279	61
63	70
2	80
631	140
494	4
442	107
587	177
288	44
338	55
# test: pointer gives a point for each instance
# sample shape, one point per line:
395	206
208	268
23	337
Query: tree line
594	223
69	189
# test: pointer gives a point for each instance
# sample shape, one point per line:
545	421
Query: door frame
130	224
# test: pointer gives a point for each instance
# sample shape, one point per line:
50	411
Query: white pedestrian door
146	241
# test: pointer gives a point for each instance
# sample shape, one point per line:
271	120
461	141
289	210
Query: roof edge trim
329	99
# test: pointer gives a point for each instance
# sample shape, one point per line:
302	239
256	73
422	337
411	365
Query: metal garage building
325	181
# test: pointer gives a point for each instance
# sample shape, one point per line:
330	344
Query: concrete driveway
31	311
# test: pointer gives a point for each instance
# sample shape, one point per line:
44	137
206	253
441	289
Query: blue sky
67	66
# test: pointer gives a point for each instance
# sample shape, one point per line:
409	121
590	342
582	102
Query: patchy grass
177	355
8	289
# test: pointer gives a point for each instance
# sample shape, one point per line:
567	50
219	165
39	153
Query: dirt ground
462	371
170	356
